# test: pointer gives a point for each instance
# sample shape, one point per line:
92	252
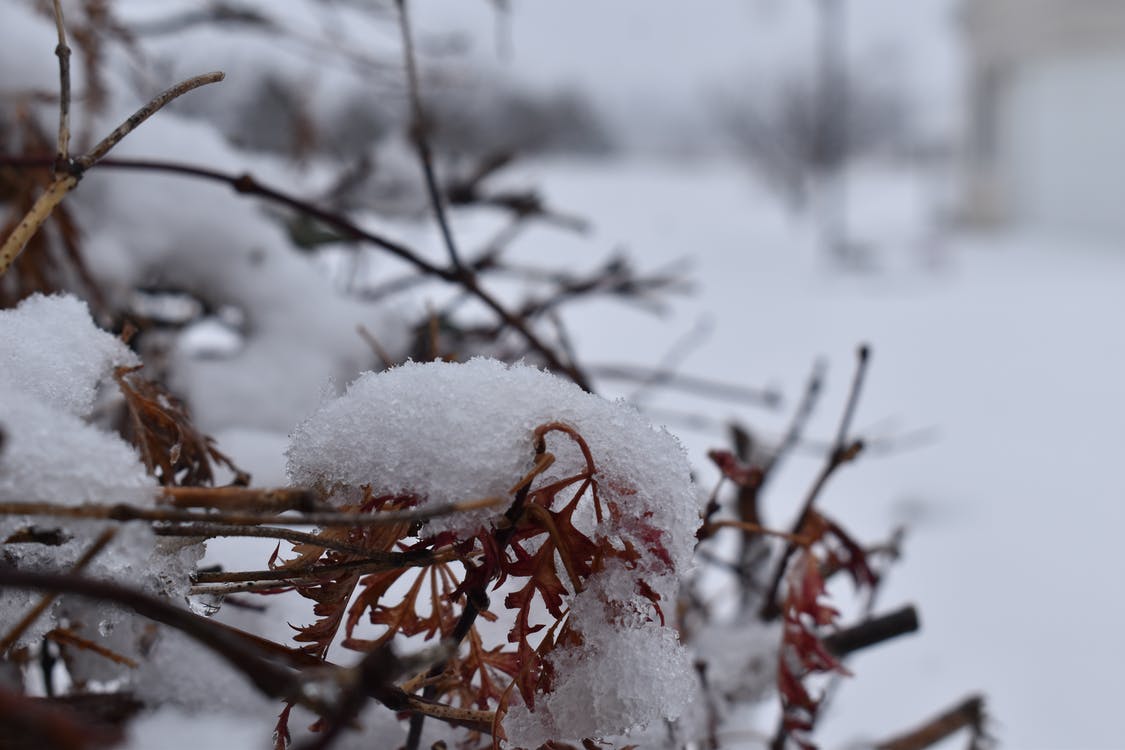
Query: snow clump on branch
445	433
54	361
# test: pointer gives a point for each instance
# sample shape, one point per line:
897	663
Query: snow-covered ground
1003	353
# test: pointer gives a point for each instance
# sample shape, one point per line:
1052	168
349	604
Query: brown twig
385	358
371	678
26	622
371	562
967	713
271	679
801	417
259	500
32	723
842	452
247	184
125	512
67	637
752	529
419	129
214	530
34	535
873	631
753	551
62	50
863	354
689	384
66	181
154	105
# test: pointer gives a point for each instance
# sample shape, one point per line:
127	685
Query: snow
55	358
618	680
50	349
169	725
455	432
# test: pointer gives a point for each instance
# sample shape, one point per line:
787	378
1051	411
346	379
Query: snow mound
50	350
54	361
447	432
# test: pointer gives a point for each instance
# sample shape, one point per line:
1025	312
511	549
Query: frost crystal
444	432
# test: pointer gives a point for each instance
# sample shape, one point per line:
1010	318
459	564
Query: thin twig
372	561
271	679
246	184
259	500
377	349
419	131
33	219
689	384
967	713
66	637
26	622
213	530
752	549
842	452
753	529
124	512
373	675
148	110
863	355
62	151
64	183
801	417
673	356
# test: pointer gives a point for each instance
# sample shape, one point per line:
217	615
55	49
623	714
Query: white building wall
1047	135
1062	150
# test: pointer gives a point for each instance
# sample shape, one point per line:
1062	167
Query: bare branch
125	512
873	631
62	152
245	183
800	419
842	452
87	557
967	713
67	637
259	500
64	183
419	131
148	110
212	530
271	679
689	384
33	219
372	562
863	357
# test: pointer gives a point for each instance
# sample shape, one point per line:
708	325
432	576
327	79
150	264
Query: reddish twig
842	452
